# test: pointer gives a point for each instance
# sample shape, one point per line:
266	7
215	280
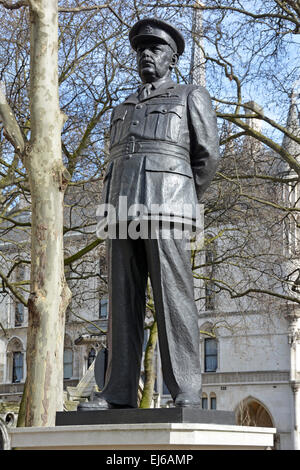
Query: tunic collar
159	88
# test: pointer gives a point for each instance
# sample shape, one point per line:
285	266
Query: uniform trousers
168	263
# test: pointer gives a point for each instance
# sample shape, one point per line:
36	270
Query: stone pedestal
74	432
149	436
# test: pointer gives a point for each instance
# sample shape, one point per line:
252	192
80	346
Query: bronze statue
164	150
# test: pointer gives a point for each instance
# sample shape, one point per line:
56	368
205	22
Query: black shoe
187	400
97	404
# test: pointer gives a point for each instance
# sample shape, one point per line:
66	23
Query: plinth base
150	415
146	436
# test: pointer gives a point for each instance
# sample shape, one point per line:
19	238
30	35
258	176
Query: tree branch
257	115
12	130
288	17
14	6
82	252
272	179
292	161
235	295
4	331
93	8
83	9
12	289
271	204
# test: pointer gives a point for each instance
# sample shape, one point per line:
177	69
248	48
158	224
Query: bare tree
42	158
244	52
35	178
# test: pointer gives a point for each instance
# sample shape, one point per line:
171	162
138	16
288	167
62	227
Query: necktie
145	91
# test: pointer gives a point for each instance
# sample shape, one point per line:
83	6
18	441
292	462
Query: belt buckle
131	146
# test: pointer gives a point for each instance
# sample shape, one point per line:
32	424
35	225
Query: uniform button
164	110
138	106
135	123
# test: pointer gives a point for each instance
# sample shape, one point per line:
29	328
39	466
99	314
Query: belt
128	149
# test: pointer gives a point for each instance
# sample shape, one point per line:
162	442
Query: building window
19	314
91	357
210	354
213	401
204	402
103	308
17	367
209	285
19	307
68	363
103	270
209	296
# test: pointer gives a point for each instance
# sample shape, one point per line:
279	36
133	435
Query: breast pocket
163	121
117	125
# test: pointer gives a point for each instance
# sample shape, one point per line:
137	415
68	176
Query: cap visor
146	37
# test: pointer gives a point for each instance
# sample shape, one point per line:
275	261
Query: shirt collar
159	83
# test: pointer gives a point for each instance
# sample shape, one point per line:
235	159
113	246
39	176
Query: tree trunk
49	295
149	368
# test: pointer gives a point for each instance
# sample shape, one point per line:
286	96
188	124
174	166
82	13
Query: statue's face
155	60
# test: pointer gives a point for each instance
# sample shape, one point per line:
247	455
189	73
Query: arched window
210	256
4	437
204	401
210	354
209	348
19	307
68	358
19	314
15	361
68	363
103	308
18	364
213	401
250	412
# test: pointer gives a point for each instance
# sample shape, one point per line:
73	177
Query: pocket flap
168	164
164	108
119	114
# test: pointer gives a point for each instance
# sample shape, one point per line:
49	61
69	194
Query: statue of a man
164	150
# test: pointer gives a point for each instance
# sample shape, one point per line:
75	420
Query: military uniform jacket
164	150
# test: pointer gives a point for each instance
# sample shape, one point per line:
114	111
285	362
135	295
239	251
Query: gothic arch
209	348
15	344
15	360
4	437
252	412
206	327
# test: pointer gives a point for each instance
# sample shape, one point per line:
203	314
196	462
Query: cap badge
148	29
